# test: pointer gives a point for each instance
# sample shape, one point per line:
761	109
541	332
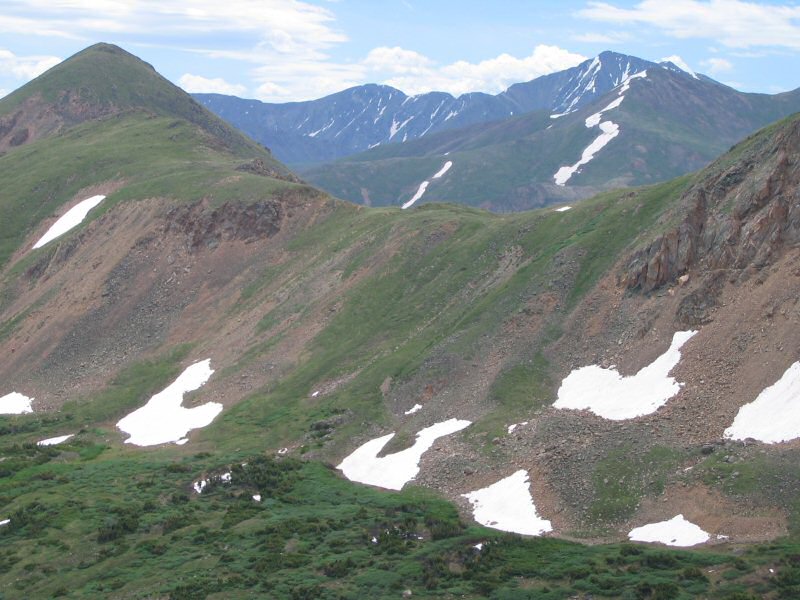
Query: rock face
231	221
742	214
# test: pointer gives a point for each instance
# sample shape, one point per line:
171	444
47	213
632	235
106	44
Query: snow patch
563	208
774	416
444	169
15	404
609	395
394	470
72	218
163	419
413	409
609	130
397	126
675	532
511	428
199	486
451	114
257	497
5	522
680	63
322	130
424	185
507	505
55	440
420	191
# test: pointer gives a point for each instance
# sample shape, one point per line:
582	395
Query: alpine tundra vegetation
219	381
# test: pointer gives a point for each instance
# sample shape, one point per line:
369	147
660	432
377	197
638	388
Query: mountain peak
100	81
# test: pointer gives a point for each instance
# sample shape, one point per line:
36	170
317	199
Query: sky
290	50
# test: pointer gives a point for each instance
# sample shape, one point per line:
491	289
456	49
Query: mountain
368	116
226	347
660	123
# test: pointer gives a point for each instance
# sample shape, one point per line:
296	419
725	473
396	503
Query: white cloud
415	74
286	43
717	65
4	93
732	23
25	67
397	60
197	84
615	37
285	23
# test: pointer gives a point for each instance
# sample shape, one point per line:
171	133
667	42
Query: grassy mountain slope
670	124
325	322
104	80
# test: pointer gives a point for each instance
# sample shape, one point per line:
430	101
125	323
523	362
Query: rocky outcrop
258	167
231	221
737	215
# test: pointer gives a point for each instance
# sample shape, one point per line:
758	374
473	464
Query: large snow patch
394	470
608	394
163	419
675	532
774	416
15	404
72	218
507	505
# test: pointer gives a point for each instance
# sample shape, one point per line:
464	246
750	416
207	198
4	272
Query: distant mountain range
367	116
614	120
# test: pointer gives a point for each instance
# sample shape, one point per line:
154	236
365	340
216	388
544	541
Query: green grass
180	164
143	533
625	476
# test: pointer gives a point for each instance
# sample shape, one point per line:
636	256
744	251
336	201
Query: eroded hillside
328	325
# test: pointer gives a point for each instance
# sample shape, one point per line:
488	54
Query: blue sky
284	50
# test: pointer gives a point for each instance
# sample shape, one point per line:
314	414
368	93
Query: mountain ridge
361	117
666	124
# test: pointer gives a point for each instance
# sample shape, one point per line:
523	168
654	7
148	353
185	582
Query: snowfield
507	505
609	130
163	419
394	470
15	404
608	394
675	532
774	416
424	185
70	219
55	440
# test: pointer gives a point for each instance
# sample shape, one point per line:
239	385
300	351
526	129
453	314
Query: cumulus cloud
25	67
415	74
732	23
716	66
287	45
197	84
